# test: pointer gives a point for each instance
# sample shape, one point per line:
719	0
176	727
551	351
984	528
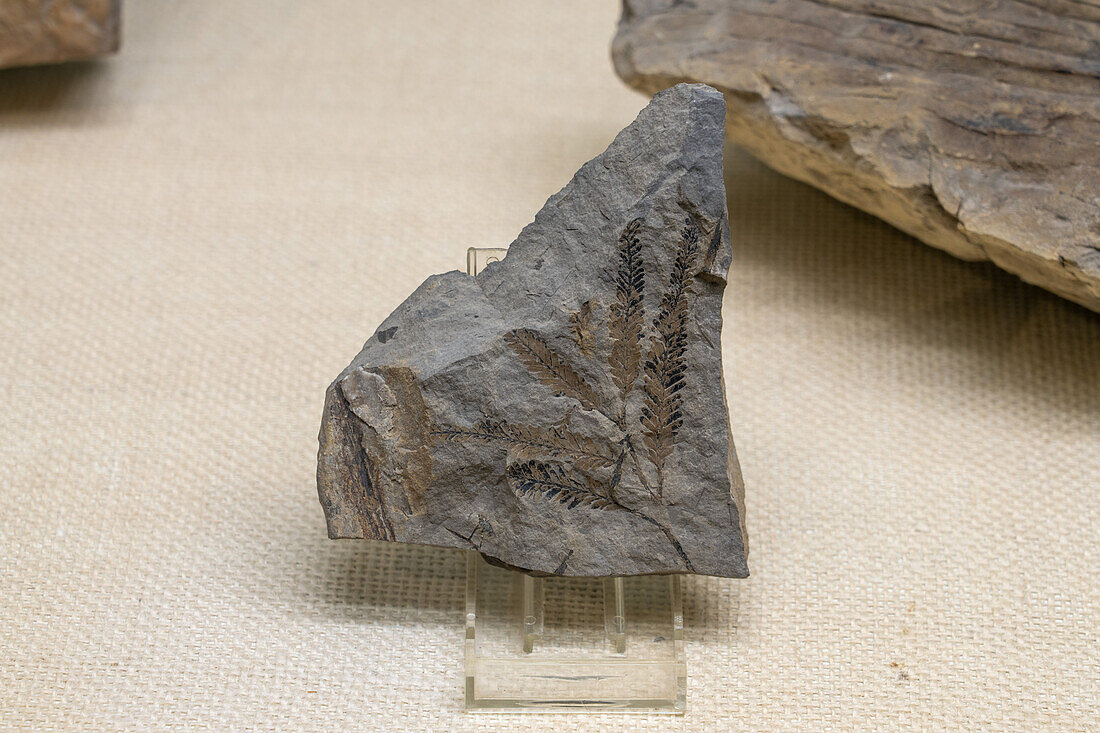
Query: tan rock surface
52	31
973	126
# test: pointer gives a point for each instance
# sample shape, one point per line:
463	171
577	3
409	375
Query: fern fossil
548	481
552	482
627	314
713	247
581	329
530	442
565	479
550	368
662	414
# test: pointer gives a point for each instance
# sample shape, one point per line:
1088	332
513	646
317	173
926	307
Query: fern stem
668	535
638	468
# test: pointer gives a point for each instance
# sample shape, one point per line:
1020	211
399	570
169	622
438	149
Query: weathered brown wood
972	125
52	31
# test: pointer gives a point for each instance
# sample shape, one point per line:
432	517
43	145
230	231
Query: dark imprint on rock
554	464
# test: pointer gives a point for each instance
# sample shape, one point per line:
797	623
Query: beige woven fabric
197	235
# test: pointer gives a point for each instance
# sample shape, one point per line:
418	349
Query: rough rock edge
815	152
343	428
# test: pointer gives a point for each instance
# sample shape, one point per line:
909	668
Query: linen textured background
198	234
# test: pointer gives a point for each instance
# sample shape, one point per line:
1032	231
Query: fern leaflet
547	366
551	482
662	414
530	442
627	312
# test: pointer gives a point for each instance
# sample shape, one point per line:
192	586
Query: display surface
563	411
972	126
201	231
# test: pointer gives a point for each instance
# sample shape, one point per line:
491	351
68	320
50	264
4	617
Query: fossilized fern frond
530	442
627	312
551	482
547	366
664	368
581	328
372	515
712	248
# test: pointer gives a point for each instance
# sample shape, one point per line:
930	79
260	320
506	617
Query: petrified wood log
52	31
974	126
563	411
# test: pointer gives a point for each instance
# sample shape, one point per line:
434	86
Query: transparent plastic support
558	644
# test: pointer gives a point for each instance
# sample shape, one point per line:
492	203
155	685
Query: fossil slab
973	126
52	31
562	412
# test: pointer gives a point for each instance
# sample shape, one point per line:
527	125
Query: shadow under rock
711	603
407	583
1007	336
34	93
422	584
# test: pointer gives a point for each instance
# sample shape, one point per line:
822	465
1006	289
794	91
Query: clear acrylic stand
566	643
557	644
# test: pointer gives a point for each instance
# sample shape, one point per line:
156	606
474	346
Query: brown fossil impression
563	411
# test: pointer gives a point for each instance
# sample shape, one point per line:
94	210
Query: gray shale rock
563	412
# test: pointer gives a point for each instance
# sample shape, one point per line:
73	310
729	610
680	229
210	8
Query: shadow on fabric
1008	338
47	94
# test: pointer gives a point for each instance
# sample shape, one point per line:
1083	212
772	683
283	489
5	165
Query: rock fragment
973	127
51	31
563	412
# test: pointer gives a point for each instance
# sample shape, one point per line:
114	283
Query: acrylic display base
566	643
